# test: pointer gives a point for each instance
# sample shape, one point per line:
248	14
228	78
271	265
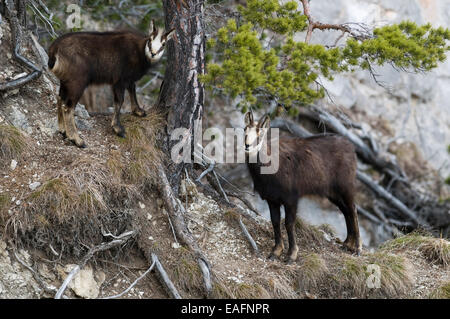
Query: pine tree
249	65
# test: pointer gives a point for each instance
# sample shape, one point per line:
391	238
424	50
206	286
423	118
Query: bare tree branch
133	284
362	34
16	35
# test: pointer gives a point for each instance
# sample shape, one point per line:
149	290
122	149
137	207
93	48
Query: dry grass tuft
12	144
312	273
5	203
280	285
357	276
140	145
396	278
249	291
89	197
309	235
71	210
434	249
232	217
442	292
186	273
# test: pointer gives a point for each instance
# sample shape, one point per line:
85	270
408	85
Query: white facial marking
155	53
253	140
250	136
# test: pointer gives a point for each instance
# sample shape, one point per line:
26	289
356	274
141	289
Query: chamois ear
152	30
169	34
249	118
264	122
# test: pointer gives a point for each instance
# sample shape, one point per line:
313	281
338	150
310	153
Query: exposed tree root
121	239
165	278
176	211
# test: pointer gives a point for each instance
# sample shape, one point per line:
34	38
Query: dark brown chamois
118	58
319	165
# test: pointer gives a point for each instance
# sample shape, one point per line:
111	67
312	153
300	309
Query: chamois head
154	48
255	132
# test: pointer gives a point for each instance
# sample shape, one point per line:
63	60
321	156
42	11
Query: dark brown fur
319	165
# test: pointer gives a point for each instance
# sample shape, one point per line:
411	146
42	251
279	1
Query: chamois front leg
275	217
291	216
118	91
61	122
135	108
70	93
71	128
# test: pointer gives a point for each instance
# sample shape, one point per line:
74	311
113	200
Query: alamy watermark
225	148
374	279
74	19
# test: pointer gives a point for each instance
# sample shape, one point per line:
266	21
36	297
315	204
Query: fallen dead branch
133	284
248	236
121	239
381	192
165	280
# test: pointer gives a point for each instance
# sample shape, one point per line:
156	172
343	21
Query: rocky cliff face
416	107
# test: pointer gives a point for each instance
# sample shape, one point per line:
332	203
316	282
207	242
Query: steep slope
57	201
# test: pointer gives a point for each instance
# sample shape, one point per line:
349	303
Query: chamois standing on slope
318	165
118	58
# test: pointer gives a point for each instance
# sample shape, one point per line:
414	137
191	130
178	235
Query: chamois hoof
140	113
272	257
119	131
289	261
81	144
352	248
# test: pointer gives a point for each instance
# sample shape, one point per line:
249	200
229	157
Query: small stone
13	164
150	238
149	216
141	205
176	245
34	185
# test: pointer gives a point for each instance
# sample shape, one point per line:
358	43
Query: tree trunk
181	95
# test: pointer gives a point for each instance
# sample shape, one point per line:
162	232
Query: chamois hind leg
135	108
348	208
291	216
118	91
73	94
275	218
61	123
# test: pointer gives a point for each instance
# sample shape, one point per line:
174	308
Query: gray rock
16	282
13	164
34	185
81	112
84	284
19	120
